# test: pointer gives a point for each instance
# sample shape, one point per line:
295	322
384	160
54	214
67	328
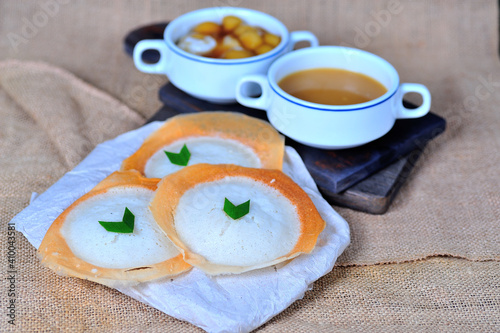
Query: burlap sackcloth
50	120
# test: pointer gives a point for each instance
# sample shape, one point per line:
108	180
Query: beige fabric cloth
450	206
439	294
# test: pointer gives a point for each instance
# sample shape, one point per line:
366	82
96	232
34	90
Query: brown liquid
332	86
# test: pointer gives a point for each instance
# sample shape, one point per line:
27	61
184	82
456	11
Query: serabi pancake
211	137
282	221
77	245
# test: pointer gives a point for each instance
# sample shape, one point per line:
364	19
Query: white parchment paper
232	303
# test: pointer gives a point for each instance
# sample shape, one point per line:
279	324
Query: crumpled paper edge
231	303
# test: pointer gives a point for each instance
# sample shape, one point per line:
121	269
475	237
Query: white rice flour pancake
204	149
78	245
211	137
282	221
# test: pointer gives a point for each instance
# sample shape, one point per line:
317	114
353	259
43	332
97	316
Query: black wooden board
375	193
365	178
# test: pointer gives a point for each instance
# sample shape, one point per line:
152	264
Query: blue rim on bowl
335	108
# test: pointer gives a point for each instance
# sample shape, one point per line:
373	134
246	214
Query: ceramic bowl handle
159	67
422	110
252	85
302	36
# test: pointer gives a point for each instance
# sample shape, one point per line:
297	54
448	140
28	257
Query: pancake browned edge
173	187
57	255
254	133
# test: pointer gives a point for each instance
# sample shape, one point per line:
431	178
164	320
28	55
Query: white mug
331	126
213	79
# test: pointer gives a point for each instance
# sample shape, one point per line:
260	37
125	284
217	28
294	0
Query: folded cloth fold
64	112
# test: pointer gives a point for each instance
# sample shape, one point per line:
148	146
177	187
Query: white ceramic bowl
208	78
332	126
